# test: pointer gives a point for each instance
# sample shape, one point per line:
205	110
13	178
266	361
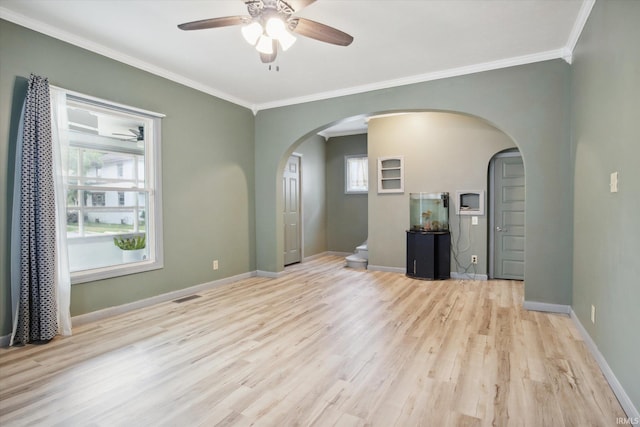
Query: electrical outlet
474	259
613	182
474	220
215	264
593	314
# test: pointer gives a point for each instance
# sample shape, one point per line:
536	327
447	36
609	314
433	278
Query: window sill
116	271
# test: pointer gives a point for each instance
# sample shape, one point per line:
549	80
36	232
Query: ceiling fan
134	135
270	24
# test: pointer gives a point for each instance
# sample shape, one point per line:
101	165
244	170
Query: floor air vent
185	299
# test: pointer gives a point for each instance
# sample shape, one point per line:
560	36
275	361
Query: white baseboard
336	253
386	269
546	307
468	276
624	399
269	274
312	257
169	296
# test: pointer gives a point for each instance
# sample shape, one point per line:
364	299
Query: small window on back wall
356	172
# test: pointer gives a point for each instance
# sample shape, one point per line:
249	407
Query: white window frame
153	180
347	173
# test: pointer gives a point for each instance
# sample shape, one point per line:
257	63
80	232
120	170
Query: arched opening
444	151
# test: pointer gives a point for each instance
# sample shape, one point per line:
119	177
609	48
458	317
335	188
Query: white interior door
508	217
291	214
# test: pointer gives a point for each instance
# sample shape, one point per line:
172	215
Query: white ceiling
396	42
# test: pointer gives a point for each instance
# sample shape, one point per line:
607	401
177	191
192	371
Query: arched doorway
444	151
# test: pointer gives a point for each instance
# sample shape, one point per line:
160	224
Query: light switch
474	220
613	183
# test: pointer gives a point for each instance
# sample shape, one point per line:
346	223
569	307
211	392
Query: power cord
455	251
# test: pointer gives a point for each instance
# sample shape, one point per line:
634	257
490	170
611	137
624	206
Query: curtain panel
34	268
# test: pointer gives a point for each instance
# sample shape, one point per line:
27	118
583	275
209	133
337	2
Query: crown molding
75	40
328	133
578	26
420	78
564	53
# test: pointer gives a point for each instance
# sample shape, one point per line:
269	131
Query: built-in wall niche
470	202
391	174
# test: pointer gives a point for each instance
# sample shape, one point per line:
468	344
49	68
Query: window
111	168
97	199
356	173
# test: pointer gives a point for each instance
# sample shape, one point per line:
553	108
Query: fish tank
429	211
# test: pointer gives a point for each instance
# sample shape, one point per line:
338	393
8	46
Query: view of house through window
356	174
111	164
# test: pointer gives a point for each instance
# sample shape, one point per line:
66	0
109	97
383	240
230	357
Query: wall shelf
391	174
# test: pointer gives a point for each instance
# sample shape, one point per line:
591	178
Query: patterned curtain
36	316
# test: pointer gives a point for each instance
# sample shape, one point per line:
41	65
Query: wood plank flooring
321	346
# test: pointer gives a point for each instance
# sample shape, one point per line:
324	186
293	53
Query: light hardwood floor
323	345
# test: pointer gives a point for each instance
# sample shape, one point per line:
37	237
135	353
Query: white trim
104	103
436	75
270	274
338	253
578	26
65	36
326	134
624	399
387	269
95	274
468	276
546	307
169	296
75	40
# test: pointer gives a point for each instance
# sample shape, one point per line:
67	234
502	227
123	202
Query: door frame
511	152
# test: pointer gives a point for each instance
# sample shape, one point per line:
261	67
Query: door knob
498	228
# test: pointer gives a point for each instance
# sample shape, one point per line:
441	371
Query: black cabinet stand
428	254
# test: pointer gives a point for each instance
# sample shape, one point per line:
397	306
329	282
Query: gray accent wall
442	152
606	113
208	168
314	206
529	103
347	214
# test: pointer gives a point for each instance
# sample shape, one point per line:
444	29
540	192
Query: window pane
91	232
357	174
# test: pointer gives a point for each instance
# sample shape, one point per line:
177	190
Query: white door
508	217
291	214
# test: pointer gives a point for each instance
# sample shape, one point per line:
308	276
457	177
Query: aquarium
429	211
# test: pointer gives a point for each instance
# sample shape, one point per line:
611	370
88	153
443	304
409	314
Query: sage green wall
442	152
606	111
347	214
529	103
314	206
208	168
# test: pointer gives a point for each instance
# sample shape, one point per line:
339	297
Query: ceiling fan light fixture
286	40
252	32
265	45
275	27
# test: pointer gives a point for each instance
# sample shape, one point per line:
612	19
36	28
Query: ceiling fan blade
269	58
321	32
298	5
203	24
